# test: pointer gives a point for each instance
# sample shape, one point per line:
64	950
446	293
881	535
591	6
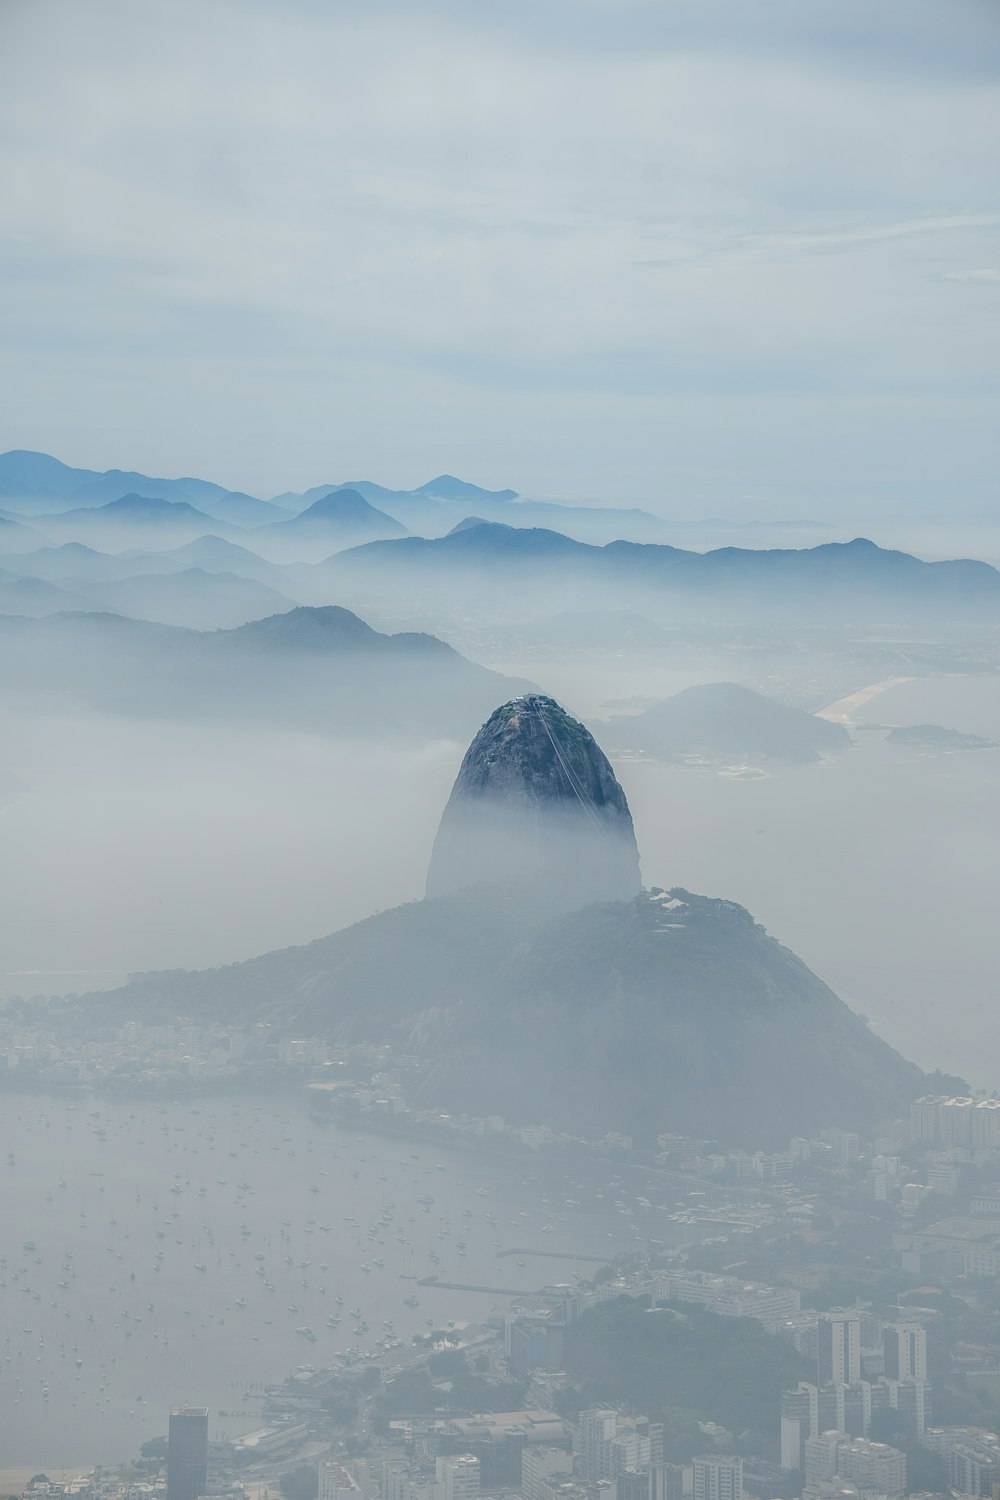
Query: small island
937	737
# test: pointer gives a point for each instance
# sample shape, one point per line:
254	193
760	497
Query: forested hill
684	1364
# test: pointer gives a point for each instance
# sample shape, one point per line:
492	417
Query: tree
888	1426
301	1483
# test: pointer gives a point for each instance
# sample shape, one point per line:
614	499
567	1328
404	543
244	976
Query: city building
904	1347
540	1462
666	1482
838	1341
715	1477
971	1457
335	1483
187	1453
799	1421
870	1466
633	1484
730	1297
458	1476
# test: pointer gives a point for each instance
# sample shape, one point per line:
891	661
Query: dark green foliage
415	1392
301	1483
155	1448
447	1364
342	1407
726	1370
925	1471
682	1437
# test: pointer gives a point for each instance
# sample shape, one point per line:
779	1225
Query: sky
713	258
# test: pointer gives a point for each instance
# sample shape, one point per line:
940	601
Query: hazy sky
740	258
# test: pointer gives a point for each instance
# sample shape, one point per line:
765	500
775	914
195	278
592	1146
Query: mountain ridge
830	575
669	1011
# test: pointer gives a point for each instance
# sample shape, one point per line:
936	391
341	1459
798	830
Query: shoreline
843	710
14	1478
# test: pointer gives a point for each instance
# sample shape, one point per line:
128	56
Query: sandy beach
843	711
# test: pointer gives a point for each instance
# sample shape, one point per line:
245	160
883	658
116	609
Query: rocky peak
536	798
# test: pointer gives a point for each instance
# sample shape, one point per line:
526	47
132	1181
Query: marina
152	1254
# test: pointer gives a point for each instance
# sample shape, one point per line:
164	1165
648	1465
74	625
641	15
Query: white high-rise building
870	1466
905	1348
717	1478
799	1420
538	1463
458	1475
838	1348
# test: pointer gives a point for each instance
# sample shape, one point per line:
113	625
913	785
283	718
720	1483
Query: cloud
986	276
349	228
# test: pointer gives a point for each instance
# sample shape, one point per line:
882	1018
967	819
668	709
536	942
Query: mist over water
147	1234
132	844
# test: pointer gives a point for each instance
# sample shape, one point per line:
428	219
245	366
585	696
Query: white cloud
988	276
385	237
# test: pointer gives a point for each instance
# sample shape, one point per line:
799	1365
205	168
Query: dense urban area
832	1328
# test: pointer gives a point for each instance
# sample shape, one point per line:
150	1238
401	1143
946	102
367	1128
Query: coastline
13	1480
844	709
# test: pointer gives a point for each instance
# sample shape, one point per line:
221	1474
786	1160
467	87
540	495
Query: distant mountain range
191	597
723	721
444	487
321	669
36	483
36	597
342	518
343	548
504	567
33	484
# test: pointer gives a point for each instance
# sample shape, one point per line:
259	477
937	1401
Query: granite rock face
536	802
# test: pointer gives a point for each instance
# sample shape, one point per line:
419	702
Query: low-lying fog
131	845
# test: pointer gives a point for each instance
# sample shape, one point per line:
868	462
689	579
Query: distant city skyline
654	255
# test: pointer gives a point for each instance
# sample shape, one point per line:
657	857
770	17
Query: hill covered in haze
320	669
666	1012
723	721
523	997
505	568
35	483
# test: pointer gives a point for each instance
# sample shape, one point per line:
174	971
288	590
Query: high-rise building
911	1398
610	1444
187	1453
666	1482
335	1483
562	1488
633	1484
838	1348
540	1462
717	1478
598	1428
799	1420
971	1457
458	1475
870	1466
904	1346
